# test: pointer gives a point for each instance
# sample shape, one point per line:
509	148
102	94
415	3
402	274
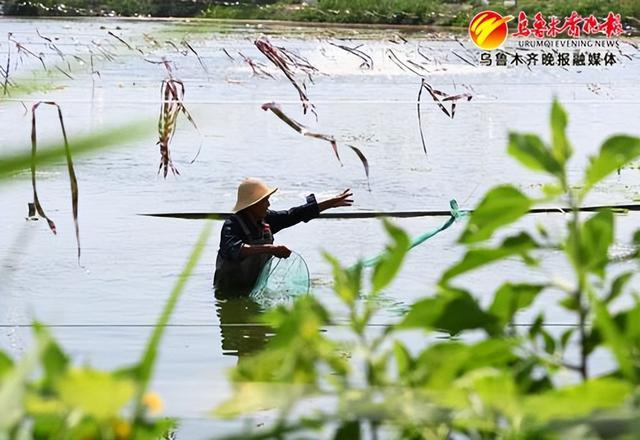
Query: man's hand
343	199
276	250
280	251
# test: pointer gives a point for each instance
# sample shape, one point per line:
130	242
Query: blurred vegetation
486	379
44	396
156	8
491	379
433	12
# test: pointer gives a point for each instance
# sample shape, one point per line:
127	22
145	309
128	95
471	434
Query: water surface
103	311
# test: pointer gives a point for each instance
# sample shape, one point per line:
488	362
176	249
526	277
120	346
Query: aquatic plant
51	45
72	174
192	50
289	64
439	98
367	61
172	94
258	68
21	51
124	42
276	110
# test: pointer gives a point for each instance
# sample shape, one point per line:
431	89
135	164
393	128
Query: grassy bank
101	8
427	12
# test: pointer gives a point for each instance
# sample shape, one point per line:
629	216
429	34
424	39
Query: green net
282	279
456	214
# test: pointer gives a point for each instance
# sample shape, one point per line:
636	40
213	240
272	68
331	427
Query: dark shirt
232	236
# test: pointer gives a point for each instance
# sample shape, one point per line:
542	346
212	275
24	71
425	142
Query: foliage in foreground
70	402
492	379
44	396
156	8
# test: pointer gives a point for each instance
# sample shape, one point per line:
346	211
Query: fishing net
282	279
456	214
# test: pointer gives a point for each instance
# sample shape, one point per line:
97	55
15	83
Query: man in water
246	239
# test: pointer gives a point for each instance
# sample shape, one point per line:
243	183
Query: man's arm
233	246
279	220
270	249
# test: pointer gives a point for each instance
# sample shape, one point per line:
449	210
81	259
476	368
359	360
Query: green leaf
549	342
566	336
110	138
632	324
475	258
578	400
346	282
618	285
6	364
614	338
294	353
570	302
560	147
39	404
501	206
95	393
348	431
389	263
452	311
616	152
403	358
151	350
54	360
596	235
531	152
552	191
536	327
250	397
494	388
512	297
441	364
14	382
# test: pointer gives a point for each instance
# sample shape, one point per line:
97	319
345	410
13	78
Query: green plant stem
579	293
149	357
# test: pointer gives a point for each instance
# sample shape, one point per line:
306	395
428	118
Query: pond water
103	311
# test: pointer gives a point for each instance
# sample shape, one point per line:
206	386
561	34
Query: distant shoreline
429	15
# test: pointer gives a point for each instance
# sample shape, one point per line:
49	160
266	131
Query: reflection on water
242	333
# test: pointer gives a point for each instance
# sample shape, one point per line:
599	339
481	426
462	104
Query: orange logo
488	29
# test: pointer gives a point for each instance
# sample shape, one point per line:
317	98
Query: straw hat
250	192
